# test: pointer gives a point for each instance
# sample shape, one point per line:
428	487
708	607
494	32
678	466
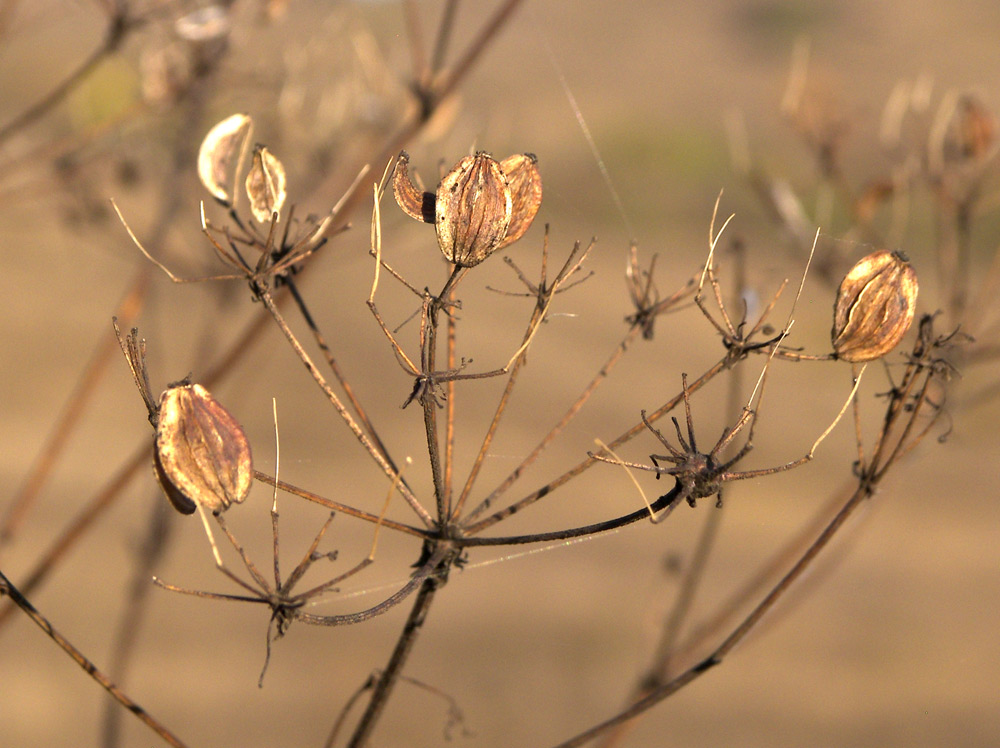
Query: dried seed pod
265	184
525	193
415	202
875	306
472	210
202	455
221	156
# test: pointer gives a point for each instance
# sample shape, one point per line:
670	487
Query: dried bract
221	156
525	192
265	184
202	456
875	307
472	210
415	202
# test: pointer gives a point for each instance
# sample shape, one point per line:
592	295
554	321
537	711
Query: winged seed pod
265	184
202	455
525	193
875	305
480	206
472	210
221	156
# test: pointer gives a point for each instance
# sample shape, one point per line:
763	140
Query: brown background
890	641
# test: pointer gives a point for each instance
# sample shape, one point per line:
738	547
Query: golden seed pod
481	205
875	306
472	210
221	156
202	455
525	193
265	184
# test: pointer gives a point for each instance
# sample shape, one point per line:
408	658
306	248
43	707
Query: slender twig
8	589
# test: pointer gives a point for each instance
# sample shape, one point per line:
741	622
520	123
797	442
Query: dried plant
429	324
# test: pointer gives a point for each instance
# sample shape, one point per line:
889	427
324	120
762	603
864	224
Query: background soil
891	641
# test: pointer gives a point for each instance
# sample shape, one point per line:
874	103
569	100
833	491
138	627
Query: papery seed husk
415	202
201	450
178	500
525	193
472	210
265	184
221	156
875	306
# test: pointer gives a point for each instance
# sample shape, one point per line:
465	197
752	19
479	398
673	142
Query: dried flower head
875	306
265	184
221	156
480	205
202	455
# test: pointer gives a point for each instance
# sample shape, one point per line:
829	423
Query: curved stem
548	488
430	573
665	503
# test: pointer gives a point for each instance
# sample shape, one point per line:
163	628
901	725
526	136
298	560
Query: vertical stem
389	676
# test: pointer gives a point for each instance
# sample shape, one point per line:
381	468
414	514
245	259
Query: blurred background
889	641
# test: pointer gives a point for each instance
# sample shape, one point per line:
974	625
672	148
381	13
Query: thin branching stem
359	434
489	521
568	416
339	507
331	361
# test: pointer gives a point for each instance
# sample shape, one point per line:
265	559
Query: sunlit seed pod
415	202
221	156
202	454
875	306
472	210
265	184
525	183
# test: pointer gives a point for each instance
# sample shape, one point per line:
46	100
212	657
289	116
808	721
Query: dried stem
8	589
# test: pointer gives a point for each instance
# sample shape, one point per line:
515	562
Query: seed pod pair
875	306
220	162
201	455
480	206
